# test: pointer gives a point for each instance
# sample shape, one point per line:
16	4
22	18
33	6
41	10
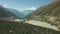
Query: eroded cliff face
49	13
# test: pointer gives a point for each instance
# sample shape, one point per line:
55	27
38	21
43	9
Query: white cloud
32	8
5	5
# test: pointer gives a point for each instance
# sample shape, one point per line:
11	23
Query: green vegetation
23	28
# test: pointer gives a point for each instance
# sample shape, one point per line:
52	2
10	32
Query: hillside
16	12
4	13
21	14
27	13
9	27
49	13
45	20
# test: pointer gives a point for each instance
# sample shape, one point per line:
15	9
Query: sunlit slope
22	28
49	13
42	24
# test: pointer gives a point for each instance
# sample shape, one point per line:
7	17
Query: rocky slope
9	27
49	13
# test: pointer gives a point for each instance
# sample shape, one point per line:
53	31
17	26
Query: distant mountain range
27	13
16	12
22	14
8	12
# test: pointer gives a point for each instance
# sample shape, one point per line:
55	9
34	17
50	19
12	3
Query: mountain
8	27
17	13
49	13
27	13
4	13
13	27
22	14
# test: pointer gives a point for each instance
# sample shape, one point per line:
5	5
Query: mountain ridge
49	13
5	13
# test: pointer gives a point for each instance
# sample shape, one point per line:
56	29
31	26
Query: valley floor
43	24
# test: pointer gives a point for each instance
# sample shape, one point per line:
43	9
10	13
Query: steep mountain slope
49	13
17	13
22	14
27	13
5	13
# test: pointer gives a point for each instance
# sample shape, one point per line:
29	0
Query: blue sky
23	4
